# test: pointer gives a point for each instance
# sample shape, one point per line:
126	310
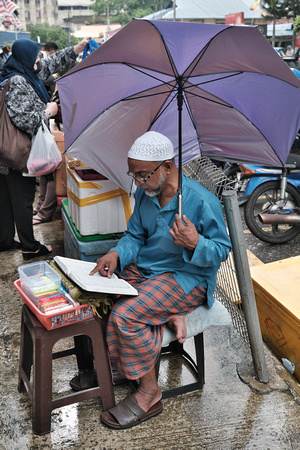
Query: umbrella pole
179	104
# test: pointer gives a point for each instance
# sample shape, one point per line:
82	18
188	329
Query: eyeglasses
144	180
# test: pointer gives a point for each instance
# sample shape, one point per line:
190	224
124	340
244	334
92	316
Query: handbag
45	156
15	144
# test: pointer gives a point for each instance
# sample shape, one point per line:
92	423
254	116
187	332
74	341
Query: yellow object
276	288
103	198
255	4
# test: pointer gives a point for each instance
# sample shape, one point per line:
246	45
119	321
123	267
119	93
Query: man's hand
106	265
184	234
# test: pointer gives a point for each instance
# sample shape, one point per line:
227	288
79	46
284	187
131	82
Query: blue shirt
148	238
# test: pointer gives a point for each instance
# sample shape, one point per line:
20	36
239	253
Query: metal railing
209	175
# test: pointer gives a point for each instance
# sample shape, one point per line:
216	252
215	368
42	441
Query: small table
277	293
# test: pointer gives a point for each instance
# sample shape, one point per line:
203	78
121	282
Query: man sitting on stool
173	264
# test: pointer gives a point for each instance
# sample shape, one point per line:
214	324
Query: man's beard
156	191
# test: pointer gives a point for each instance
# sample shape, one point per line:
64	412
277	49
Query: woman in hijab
27	104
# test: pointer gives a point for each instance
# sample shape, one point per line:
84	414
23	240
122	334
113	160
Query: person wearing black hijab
27	104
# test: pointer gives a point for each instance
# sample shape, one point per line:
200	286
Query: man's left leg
134	337
144	404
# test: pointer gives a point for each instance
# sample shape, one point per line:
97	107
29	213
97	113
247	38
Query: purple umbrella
214	90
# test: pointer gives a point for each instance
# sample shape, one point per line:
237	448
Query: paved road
268	252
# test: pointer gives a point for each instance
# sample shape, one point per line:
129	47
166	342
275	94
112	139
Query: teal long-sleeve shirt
147	238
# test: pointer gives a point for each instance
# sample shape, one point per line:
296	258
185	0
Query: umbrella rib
219	78
194	63
136	96
197	59
188	108
206	82
162	109
211	100
174	68
149	75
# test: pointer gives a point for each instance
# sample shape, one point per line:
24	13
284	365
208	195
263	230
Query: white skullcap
152	146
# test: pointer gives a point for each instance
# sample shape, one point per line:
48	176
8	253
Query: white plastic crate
97	206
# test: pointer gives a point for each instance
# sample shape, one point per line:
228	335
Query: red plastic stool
36	351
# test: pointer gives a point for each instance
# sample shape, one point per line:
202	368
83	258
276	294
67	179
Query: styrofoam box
84	250
97	206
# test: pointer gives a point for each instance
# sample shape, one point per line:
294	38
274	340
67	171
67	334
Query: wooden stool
36	350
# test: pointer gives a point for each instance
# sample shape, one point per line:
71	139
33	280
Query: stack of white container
95	214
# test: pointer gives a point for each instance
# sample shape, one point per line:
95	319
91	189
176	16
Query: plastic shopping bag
44	155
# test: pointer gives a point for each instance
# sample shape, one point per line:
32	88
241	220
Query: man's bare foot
177	324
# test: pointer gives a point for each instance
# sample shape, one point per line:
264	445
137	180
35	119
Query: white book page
79	272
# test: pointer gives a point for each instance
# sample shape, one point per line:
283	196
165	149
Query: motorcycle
271	198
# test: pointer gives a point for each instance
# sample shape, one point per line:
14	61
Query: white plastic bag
44	155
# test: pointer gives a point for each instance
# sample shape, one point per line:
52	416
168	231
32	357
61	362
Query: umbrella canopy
216	90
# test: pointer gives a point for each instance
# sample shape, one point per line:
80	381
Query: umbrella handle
180	205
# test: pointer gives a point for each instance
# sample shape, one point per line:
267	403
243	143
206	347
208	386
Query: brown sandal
128	414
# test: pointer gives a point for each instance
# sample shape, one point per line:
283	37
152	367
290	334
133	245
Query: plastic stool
196	321
36	351
197	366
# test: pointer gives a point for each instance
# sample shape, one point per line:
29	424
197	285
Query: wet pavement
233	411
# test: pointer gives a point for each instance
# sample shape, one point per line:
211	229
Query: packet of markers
53	300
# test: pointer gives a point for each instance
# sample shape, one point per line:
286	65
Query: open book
78	271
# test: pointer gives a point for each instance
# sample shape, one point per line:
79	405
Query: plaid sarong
136	324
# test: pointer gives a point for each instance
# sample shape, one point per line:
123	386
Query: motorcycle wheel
260	201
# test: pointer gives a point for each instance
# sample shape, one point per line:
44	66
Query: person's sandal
42	251
37	220
128	414
87	379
